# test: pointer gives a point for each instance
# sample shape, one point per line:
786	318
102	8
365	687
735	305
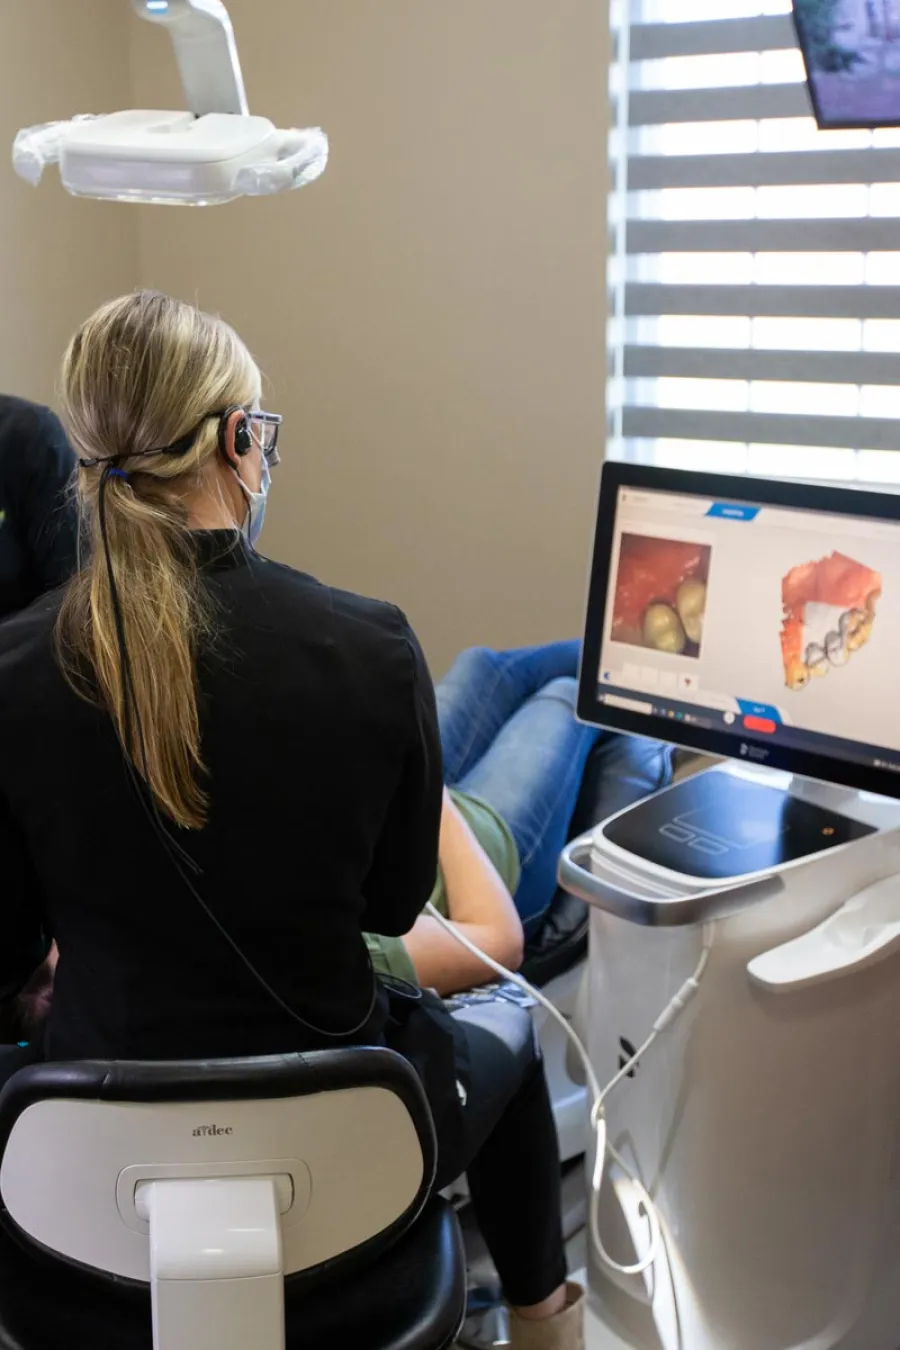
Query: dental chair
224	1205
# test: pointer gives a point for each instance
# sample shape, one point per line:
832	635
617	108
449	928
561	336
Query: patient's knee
564	689
472	661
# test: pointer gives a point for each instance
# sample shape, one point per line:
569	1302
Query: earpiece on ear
243	441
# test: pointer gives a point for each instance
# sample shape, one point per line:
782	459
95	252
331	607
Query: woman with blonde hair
215	770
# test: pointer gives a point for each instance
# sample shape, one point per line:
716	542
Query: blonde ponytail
141	374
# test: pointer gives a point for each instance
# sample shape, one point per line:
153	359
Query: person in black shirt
216	769
38	520
38	551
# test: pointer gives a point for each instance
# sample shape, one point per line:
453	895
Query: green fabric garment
389	955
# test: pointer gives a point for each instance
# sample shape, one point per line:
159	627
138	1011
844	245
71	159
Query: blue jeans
509	736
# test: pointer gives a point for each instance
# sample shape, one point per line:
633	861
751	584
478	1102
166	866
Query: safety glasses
264	427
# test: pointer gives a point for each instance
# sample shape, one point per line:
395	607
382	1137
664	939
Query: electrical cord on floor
599	1095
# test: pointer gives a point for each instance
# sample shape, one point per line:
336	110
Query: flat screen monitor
852	53
749	619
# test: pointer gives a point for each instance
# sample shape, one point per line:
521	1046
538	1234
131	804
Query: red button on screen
761	724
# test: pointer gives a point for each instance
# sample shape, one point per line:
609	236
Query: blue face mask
256	505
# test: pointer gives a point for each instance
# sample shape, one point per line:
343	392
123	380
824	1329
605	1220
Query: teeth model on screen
829	614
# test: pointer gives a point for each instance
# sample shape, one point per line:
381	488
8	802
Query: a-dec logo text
212	1130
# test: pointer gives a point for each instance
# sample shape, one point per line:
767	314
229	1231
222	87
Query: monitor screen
749	619
852	53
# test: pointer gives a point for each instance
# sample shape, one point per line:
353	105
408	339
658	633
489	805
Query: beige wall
430	314
58	258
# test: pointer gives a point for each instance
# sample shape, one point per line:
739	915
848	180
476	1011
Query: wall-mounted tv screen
852	54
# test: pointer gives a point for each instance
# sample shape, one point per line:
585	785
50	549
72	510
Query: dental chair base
766	1120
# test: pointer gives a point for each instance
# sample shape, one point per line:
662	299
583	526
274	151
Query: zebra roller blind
754	260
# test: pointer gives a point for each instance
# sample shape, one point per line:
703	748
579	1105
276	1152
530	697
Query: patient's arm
479	905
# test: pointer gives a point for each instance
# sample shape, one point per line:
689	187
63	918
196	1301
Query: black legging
511	1153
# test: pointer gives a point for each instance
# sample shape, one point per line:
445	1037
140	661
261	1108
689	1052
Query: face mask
256	503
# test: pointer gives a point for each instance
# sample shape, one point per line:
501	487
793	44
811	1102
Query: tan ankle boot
565	1331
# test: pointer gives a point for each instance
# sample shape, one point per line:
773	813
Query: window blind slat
778	169
652	41
689	11
643	299
847	433
718	363
652	107
761	236
686	386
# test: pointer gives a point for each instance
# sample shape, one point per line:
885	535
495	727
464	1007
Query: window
754	260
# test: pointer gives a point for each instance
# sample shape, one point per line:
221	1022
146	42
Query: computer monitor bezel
822	122
844	501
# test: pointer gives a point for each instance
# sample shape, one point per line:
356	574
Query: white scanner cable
667	1017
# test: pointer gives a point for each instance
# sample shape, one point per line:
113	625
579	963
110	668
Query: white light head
209	154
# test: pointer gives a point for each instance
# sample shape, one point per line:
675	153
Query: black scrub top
38	521
320	737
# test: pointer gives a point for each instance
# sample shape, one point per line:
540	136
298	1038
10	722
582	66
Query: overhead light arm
206	51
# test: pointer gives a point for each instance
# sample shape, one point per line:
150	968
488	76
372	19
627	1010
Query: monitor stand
764	1122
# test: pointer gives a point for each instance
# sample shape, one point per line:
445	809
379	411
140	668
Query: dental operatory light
211	154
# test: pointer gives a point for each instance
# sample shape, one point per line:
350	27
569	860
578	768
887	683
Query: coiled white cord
604	1148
